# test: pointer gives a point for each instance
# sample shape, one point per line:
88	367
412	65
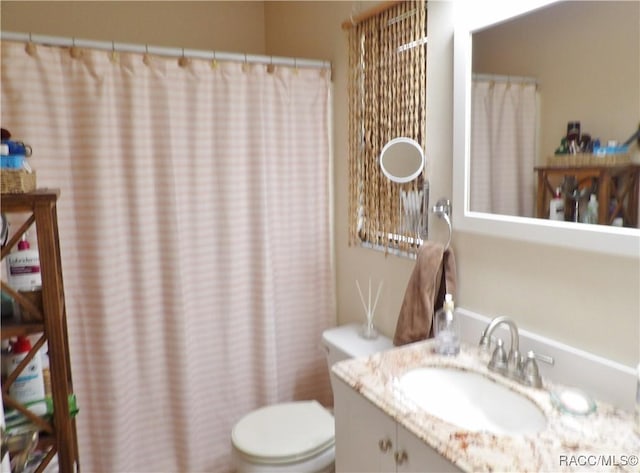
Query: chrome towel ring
443	210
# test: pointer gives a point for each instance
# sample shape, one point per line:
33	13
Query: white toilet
298	436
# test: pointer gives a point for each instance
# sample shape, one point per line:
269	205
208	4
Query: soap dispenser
446	329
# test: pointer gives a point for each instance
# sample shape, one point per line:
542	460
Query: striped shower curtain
503	147
195	239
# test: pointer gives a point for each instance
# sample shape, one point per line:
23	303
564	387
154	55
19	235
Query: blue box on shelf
605	150
12	161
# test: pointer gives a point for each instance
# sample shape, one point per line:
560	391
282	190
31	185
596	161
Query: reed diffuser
368	329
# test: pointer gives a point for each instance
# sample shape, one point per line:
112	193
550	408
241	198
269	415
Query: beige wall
234	26
589	301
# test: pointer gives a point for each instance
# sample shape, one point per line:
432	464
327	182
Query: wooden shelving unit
59	433
617	181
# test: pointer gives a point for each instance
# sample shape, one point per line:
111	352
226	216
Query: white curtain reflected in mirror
503	145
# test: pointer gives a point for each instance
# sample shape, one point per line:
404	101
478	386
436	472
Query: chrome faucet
512	365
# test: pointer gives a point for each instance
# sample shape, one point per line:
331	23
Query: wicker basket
586	159
17	181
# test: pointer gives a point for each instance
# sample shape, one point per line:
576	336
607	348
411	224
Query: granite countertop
601	441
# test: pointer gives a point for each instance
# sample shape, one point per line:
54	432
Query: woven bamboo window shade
387	99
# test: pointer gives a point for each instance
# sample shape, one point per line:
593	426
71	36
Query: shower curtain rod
163	51
501	78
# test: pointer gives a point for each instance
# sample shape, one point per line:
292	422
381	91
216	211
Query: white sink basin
471	401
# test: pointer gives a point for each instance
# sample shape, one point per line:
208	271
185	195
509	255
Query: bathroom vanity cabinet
381	423
43	315
369	440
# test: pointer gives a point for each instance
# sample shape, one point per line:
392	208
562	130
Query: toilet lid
284	432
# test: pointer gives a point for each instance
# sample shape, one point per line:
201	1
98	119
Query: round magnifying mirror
402	159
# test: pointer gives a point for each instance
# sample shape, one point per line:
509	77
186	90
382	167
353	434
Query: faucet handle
544	358
530	373
498	361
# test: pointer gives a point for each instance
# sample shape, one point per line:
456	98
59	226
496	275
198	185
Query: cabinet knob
385	445
400	457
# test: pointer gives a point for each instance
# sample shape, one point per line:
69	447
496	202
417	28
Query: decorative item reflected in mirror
579	60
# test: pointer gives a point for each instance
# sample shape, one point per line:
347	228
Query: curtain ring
270	67
114	53
30	48
295	65
214	61
146	59
75	52
245	65
183	61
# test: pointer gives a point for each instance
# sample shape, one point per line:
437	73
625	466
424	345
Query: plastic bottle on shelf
29	385
556	206
591	216
23	268
446	330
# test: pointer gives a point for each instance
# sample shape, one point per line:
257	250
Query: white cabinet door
418	456
368	440
365	436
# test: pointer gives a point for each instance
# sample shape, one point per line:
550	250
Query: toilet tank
345	342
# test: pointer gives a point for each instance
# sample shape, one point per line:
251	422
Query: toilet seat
284	433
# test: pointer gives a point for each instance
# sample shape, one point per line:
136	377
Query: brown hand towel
433	276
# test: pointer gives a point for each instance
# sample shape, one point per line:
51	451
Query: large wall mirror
560	62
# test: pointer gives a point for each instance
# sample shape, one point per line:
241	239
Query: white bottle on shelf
591	216
29	385
23	268
556	206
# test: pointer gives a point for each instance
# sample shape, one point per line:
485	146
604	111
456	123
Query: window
387	99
